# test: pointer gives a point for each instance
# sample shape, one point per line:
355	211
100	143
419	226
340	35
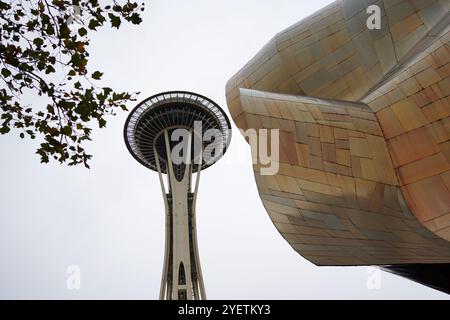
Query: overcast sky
109	220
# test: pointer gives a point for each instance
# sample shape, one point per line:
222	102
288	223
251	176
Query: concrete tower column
182	276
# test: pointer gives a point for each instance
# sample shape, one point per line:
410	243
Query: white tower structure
166	133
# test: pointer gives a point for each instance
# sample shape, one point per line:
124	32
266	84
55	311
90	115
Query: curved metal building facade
364	168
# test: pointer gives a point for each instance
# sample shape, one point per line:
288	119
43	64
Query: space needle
179	134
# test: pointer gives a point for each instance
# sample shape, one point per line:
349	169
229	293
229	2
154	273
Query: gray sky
109	220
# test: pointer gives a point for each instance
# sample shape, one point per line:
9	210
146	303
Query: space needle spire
179	134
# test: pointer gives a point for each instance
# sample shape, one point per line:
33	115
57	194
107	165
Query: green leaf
82	32
135	18
101	123
67	130
115	20
97	75
49	69
38	41
93	24
4	129
5	73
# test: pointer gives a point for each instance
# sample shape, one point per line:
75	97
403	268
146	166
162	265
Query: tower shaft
182	276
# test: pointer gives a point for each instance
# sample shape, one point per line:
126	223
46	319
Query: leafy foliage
44	40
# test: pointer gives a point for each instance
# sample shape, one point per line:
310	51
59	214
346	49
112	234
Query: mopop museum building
364	128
